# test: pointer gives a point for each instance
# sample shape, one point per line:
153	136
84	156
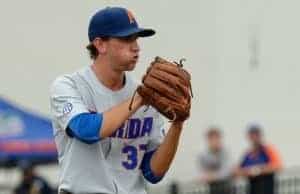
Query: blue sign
24	135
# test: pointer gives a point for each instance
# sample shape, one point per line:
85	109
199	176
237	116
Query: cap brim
141	32
146	33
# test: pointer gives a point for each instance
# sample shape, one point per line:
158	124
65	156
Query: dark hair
93	52
255	129
213	131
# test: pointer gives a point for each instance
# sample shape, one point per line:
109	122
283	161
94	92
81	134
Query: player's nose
135	46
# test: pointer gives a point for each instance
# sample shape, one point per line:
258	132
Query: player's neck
107	76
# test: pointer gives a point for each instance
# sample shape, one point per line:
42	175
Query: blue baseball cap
115	22
254	128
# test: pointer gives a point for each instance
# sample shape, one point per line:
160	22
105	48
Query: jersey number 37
132	153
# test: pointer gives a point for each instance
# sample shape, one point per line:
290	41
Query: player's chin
131	67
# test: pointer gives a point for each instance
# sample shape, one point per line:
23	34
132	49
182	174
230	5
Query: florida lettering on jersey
134	128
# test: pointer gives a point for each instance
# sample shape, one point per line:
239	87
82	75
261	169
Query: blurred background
242	54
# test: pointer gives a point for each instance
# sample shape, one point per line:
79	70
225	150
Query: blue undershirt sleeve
146	169
86	127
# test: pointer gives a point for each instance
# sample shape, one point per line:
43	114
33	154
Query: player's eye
130	38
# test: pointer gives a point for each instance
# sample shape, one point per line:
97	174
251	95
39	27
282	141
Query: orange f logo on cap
130	17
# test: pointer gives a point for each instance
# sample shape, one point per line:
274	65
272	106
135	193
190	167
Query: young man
103	146
215	163
260	164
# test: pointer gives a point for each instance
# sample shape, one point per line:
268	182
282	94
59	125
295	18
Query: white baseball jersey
112	164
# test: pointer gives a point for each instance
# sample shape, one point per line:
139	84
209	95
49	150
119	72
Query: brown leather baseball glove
167	87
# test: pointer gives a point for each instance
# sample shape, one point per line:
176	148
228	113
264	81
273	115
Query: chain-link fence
285	183
288	183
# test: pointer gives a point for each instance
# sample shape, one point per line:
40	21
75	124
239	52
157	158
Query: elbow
148	173
85	127
277	167
152	178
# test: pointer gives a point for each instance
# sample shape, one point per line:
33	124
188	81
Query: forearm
240	171
222	174
164	155
269	168
258	170
117	115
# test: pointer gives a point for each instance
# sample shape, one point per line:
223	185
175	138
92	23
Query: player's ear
100	45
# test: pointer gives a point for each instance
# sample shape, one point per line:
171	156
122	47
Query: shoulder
67	80
63	79
270	149
61	83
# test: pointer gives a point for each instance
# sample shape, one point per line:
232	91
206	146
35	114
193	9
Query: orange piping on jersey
273	154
